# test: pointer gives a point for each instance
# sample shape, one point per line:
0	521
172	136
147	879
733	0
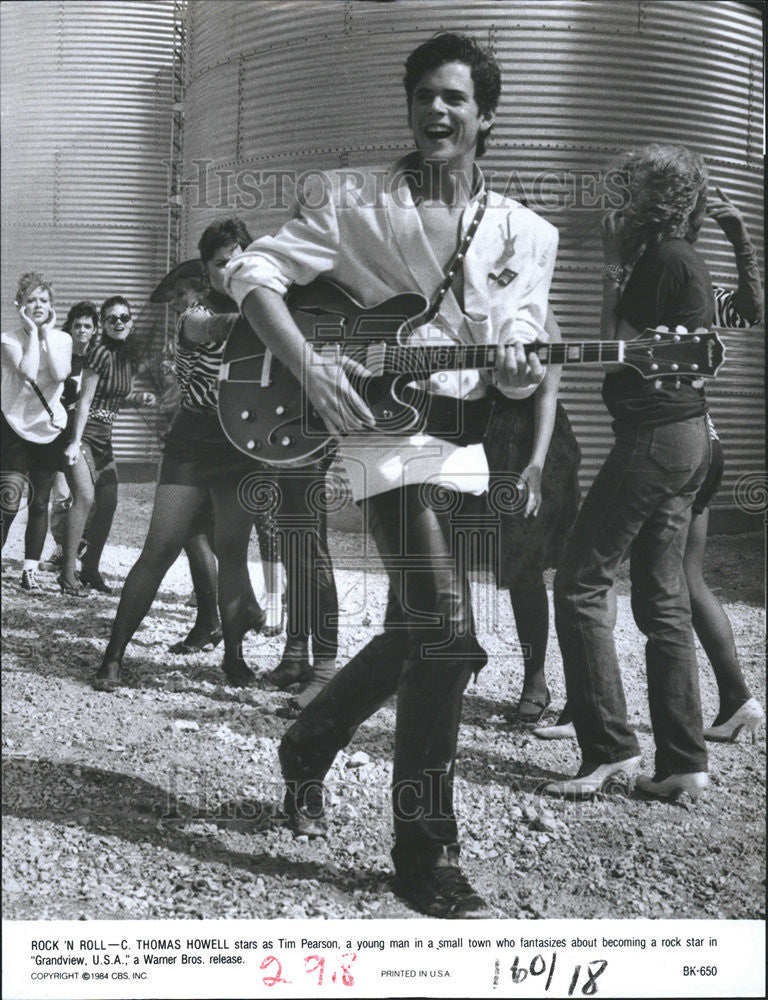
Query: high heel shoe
561	731
516	717
289	672
255	618
70	588
185	648
237	672
92	578
749	716
107	677
674	786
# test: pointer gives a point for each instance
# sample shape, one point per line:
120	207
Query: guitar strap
456	261
44	401
460	421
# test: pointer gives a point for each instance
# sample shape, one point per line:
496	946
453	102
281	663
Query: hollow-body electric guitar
265	414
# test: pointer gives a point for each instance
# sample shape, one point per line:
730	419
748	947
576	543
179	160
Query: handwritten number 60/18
538	967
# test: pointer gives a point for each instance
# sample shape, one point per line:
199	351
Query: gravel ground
162	800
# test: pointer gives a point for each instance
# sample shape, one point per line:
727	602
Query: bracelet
615	272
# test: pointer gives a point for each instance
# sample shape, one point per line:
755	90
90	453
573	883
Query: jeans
302	520
640	501
425	656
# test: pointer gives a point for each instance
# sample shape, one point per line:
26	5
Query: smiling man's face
444	117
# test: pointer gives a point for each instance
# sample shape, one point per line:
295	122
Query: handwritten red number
318	967
346	975
278	978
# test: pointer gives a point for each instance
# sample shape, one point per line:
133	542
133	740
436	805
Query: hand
332	395
26	321
728	217
514	370
72	453
611	229
50	323
531	476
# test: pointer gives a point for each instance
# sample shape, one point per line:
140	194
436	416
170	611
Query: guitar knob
386	414
286	442
250	445
676	337
247	415
654	367
657	384
279	410
657	336
696	340
674	367
694	368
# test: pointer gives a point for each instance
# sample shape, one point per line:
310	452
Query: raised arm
24	358
747	300
58	356
198	326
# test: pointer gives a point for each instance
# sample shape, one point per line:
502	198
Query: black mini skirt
198	453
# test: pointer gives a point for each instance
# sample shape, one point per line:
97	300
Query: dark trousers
302	520
640	502
425	656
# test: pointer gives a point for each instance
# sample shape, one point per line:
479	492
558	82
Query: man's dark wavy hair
449	47
223	233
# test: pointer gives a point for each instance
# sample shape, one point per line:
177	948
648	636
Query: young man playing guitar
377	239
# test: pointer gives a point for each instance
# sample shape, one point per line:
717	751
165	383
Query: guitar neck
389	359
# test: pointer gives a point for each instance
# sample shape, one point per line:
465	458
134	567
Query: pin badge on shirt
506	274
503	277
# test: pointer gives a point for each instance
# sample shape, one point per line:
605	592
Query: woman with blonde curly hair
641	500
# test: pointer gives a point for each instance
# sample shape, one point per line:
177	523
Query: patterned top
197	365
726	313
116	371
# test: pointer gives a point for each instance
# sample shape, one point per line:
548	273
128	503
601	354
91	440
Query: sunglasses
120	318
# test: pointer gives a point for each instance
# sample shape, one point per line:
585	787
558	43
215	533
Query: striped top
726	313
197	366
116	371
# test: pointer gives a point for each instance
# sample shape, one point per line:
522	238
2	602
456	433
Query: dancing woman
740	308
107	384
530	438
76	490
640	502
199	465
36	359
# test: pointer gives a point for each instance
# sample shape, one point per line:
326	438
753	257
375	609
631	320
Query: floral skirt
526	546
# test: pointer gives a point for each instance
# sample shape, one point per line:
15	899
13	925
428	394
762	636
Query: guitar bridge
266	370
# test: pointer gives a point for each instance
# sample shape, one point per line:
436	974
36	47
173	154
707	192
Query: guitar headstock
655	353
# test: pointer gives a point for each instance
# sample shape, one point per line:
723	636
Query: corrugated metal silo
86	123
289	87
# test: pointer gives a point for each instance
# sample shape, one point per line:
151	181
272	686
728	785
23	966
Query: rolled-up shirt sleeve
305	247
528	322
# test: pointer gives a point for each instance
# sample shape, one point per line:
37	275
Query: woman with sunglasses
107	384
36	359
199	466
